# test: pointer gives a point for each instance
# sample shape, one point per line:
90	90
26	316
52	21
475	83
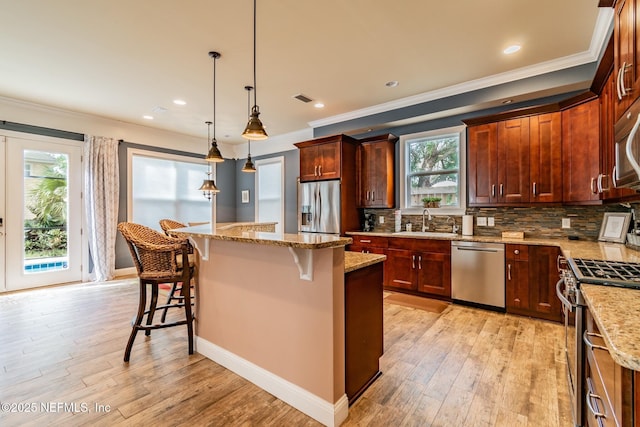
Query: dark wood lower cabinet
531	276
611	391
419	265
363	328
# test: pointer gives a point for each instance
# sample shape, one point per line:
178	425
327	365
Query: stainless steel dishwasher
477	273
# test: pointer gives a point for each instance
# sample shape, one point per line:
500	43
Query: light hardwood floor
61	350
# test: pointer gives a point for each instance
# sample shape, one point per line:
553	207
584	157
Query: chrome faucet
454	228
425	210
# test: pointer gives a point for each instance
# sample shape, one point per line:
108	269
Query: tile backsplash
540	222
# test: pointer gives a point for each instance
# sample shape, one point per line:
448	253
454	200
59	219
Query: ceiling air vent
303	98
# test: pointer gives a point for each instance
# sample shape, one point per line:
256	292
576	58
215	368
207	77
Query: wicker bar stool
158	259
175	294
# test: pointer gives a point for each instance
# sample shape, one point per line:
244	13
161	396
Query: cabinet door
400	273
513	161
581	152
434	273
517	279
626	58
546	158
329	160
308	163
376	166
543	275
483	164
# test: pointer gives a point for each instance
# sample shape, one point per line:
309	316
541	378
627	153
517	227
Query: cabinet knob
517	251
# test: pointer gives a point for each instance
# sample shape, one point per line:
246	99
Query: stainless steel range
573	272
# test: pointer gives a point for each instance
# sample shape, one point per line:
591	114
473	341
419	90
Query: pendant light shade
209	186
249	166
254	130
214	154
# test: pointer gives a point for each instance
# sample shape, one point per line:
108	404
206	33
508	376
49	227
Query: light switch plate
481	221
491	221
566	222
381	219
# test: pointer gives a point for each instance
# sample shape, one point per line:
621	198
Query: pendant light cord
214	97
255	91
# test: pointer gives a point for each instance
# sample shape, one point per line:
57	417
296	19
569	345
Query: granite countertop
616	311
357	260
239	234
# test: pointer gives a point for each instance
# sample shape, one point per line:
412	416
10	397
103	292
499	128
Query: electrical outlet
381	219
566	222
491	222
481	221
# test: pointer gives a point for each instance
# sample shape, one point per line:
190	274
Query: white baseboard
327	413
128	271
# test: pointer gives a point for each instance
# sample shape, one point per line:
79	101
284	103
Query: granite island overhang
271	308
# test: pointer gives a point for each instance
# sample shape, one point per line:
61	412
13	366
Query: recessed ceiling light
318	105
147	117
179	102
392	83
512	49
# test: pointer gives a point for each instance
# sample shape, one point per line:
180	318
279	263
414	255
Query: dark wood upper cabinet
513	161
581	153
376	172
482	155
626	54
546	158
322	159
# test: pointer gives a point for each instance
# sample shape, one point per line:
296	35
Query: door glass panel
45	212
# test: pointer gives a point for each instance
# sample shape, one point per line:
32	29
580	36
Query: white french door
41	189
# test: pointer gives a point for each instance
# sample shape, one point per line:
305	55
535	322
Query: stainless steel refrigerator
319	207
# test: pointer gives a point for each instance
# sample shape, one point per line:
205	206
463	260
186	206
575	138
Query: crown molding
598	43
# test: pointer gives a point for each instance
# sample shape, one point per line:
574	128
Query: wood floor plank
462	367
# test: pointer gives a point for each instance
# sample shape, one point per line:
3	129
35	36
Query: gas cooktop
615	273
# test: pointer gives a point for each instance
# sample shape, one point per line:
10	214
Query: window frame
404	167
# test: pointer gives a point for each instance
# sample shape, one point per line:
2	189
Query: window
166	186
270	191
432	168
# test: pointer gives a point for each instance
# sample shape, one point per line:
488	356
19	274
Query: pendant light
208	186
248	166
255	129
214	154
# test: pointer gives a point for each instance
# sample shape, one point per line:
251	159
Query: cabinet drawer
370	241
517	252
425	245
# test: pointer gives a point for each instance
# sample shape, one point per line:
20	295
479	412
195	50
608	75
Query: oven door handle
592	346
562	298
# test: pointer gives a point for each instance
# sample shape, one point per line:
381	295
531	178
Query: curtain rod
129	144
39	130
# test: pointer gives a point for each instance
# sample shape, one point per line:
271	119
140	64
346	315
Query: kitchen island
271	307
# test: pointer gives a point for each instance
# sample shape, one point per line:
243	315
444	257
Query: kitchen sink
434	234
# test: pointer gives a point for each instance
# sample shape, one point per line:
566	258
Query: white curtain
101	201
